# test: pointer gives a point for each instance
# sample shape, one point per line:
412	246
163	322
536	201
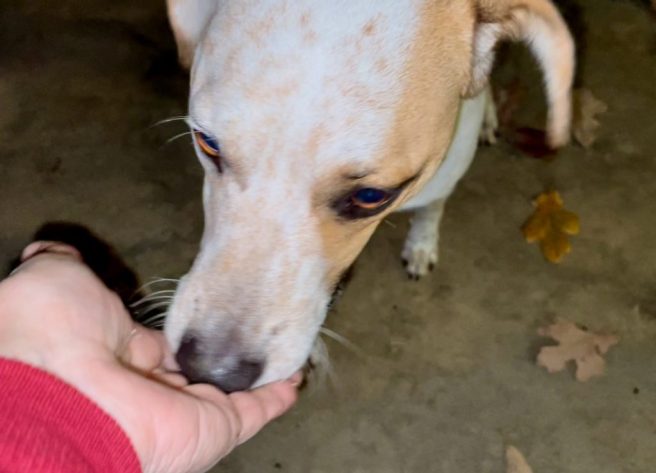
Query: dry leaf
585	124
532	142
515	461
575	344
550	224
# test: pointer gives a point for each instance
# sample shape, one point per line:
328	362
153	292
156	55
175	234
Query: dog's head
313	121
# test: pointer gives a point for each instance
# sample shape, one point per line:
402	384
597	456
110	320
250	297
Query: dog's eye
370	198
364	202
209	146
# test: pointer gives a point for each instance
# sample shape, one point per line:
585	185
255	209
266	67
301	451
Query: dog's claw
418	260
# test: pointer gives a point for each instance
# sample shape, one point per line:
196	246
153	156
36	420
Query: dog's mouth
314	366
340	287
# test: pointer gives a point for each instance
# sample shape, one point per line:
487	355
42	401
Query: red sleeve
47	426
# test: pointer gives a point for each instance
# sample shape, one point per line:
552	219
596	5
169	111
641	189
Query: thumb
145	349
257	408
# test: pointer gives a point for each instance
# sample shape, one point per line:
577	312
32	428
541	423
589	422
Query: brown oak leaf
575	344
515	461
584	122
550	224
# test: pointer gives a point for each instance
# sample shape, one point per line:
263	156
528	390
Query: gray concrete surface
446	378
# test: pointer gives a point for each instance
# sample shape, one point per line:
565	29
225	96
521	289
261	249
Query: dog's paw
419	257
488	135
490	126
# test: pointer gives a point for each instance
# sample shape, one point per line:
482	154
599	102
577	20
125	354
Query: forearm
50	427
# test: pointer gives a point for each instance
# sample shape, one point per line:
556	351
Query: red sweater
47	426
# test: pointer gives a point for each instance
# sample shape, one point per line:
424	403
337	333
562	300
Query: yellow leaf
567	221
550	224
536	227
554	246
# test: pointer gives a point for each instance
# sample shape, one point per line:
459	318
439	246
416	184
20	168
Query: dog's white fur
308	98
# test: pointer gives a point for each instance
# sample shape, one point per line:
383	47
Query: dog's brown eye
209	146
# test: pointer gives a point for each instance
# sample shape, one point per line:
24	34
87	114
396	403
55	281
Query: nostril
243	377
226	371
189	360
230	376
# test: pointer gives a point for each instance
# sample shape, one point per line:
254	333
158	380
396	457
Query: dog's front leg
490	125
420	252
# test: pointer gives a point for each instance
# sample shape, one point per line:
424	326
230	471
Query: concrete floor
446	378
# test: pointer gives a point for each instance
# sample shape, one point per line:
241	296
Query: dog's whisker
158	317
178	136
154	319
150	307
179	118
151	313
341	340
156	281
153	297
161	291
387	222
147	303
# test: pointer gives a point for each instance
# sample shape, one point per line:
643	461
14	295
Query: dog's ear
540	25
189	19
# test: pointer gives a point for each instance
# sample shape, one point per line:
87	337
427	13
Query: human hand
55	314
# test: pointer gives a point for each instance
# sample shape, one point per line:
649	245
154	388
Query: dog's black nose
226	371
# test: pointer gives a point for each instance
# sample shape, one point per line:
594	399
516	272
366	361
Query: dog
313	120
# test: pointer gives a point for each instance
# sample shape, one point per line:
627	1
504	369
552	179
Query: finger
44	247
257	408
175	380
38	247
208	392
145	349
296	379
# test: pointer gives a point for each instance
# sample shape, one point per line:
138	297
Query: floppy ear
540	25
188	19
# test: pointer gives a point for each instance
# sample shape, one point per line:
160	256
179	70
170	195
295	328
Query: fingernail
296	379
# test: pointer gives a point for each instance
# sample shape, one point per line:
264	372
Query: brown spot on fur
276	329
369	28
309	37
381	65
317	135
261	29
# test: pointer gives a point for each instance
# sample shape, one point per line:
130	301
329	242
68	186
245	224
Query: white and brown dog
314	119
